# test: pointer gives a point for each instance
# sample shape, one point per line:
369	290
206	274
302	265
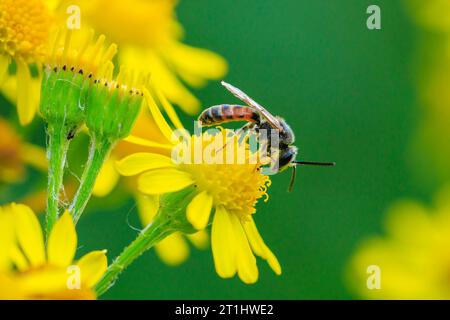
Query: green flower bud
63	98
112	108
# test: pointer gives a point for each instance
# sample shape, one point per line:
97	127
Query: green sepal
173	208
63	99
111	113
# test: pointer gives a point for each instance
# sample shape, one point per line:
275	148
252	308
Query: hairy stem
147	238
57	148
99	151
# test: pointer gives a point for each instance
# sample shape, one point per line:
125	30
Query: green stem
98	152
147	238
57	148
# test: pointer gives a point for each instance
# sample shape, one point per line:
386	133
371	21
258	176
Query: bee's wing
253	104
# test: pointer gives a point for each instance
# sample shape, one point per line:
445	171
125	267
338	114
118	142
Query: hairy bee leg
293	175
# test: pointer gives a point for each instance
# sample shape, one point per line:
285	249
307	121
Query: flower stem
147	238
171	217
98	152
57	148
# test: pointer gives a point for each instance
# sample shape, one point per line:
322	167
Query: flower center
235	183
236	187
135	22
24	28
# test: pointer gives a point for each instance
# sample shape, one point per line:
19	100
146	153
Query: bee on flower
223	194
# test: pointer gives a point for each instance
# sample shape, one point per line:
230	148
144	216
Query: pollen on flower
24	28
236	187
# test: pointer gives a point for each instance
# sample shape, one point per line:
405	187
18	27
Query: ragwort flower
231	189
31	270
413	257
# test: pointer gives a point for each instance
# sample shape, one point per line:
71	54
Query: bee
257	118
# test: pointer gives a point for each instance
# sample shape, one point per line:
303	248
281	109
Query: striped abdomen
226	113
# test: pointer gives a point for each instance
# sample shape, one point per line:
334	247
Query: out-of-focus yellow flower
150	39
25	28
413	257
30	270
232	189
15	154
431	14
430	150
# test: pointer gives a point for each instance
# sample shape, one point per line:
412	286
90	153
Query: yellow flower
232	189
432	14
430	151
413	257
25	28
15	154
29	270
150	39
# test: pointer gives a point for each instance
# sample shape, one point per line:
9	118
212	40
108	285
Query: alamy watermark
73	21
73	277
374	19
374	279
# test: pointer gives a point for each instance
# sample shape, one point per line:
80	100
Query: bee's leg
292	181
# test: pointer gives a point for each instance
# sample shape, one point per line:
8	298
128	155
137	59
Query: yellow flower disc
24	28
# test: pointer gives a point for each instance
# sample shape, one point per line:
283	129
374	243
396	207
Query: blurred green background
348	94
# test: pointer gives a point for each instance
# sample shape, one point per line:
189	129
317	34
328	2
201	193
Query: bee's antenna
314	163
305	163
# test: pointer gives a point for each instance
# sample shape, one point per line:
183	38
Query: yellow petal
168	108
4	64
173	250
106	179
147	207
142	161
147	143
223	244
6	237
199	239
195	65
62	242
246	261
158	117
10	290
46	281
18	259
164	181
199	209
26	93
93	265
259	247
172	87
35	156
29	234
